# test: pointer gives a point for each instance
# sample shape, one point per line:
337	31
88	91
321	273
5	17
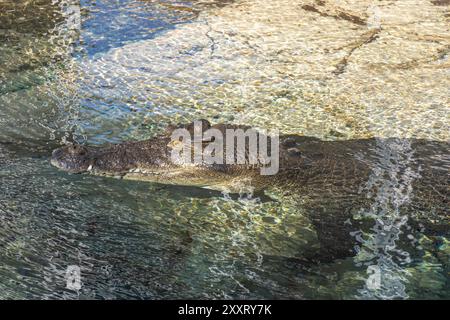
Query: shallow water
108	71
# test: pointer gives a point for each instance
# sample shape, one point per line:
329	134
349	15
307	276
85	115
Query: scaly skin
335	182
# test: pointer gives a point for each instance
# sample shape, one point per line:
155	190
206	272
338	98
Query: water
107	71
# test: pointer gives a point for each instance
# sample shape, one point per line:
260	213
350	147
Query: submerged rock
309	67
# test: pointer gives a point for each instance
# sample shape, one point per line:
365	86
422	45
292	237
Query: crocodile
335	183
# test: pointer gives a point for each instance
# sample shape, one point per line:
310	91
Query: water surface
101	72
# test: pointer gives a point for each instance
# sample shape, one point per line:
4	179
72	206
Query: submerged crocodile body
335	183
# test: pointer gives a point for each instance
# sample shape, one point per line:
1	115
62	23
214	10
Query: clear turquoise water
60	79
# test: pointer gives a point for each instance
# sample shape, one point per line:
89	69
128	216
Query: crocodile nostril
71	149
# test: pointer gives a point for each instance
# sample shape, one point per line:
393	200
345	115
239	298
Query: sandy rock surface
333	69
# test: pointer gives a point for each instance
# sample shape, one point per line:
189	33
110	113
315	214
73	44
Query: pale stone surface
333	69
